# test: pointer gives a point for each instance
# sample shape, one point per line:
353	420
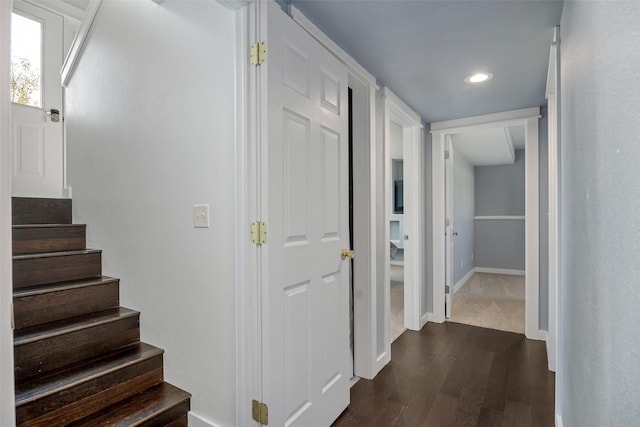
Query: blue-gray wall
599	363
499	190
463	207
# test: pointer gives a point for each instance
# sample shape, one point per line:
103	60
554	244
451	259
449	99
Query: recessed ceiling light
478	78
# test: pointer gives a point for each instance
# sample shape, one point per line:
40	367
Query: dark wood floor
457	375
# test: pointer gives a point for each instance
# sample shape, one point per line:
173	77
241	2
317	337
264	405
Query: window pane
26	59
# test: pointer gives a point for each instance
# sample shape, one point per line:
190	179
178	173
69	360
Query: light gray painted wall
150	132
463	208
499	190
598	366
499	244
543	189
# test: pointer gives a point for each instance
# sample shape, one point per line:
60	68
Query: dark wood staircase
78	356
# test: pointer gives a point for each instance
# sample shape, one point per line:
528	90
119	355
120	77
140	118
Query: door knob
346	253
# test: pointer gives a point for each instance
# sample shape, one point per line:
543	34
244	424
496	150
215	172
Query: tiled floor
493	301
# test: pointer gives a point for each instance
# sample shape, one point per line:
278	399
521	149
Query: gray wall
463	207
598	367
500	190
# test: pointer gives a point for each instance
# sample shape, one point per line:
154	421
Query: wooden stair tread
62	286
56	254
65	326
99	366
139	409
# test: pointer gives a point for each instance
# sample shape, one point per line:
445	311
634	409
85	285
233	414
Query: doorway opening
441	136
396	232
485	241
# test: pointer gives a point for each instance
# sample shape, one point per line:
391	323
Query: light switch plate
201	216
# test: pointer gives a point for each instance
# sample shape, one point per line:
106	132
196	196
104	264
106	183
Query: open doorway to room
485	203
396	231
444	279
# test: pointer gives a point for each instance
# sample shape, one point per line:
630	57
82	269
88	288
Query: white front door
305	283
36	60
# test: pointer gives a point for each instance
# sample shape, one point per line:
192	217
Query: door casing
529	118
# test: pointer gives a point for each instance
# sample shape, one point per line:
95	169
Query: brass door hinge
259	233
258	53
260	412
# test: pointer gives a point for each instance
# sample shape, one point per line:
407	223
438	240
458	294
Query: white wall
598	369
463	212
150	122
7	399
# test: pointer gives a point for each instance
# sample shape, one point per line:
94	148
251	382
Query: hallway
457	375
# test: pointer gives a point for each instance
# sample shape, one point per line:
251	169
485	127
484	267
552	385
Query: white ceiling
490	147
423	50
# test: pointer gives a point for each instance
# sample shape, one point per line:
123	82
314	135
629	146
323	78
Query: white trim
532	226
498	217
63	8
77	46
432	317
491	120
196	420
354	67
364	233
7	397
553	193
424	319
559	420
462	281
398	112
404	115
247	334
499	271
438	224
529	118
231	4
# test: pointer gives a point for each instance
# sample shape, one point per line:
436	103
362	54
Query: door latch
54	115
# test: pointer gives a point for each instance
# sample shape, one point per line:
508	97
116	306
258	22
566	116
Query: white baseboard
559	420
538	335
499	271
462	281
196	420
423	320
431	317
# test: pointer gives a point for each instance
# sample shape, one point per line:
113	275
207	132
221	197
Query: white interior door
305	282
37	54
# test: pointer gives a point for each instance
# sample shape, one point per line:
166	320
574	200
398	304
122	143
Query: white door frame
552	117
398	112
554	343
7	393
529	118
248	288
